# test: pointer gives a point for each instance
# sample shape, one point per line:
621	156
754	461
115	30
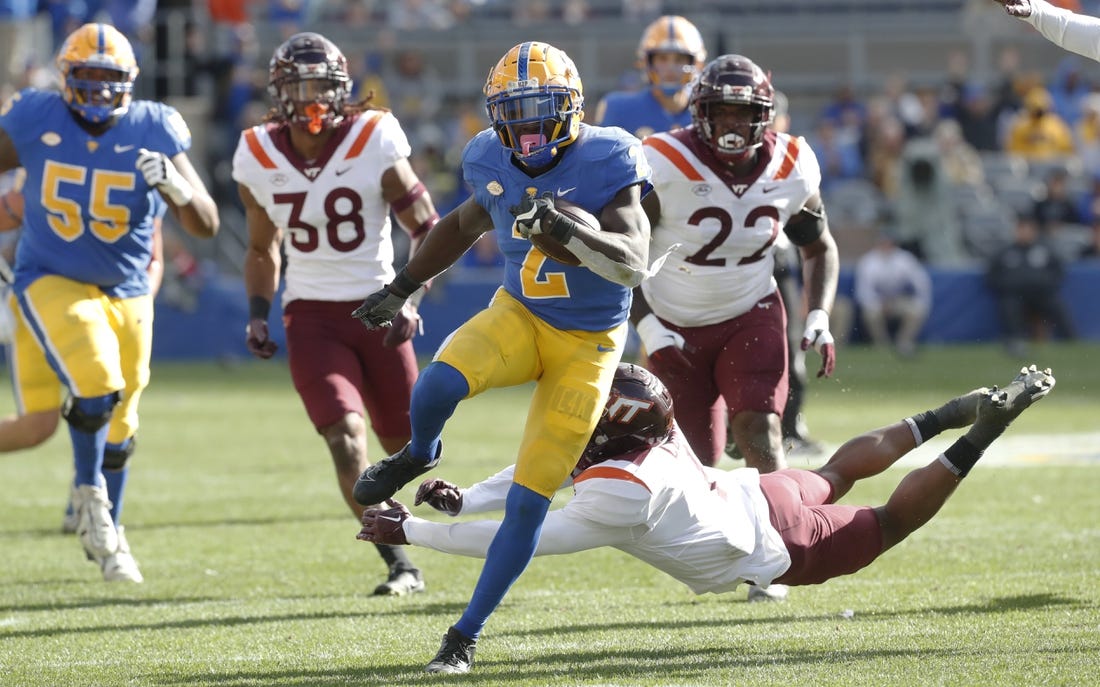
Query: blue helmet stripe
102	39
524	57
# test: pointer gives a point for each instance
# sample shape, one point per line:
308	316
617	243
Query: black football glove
379	308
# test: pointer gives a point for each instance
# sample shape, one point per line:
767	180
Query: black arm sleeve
805	227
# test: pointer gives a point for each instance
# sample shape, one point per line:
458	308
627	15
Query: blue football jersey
640	113
89	214
591	171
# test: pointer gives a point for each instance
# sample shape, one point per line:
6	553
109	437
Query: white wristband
656	336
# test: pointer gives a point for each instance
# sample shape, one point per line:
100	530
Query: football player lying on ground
639	488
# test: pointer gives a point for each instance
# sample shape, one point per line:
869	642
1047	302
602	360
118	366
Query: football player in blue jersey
561	326
671	54
99	167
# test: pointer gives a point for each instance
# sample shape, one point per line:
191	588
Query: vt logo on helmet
637	415
535	101
308	80
98	67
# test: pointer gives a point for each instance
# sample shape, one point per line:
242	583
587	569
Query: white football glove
818	337
159	171
662	345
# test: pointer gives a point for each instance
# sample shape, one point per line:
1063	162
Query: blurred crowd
945	171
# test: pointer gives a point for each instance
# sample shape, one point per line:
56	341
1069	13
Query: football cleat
120	566
535	101
95	527
671	34
107	92
455	655
382	480
999	407
773	592
401	583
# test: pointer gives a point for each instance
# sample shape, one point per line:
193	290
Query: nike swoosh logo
392	518
562	193
342	171
768	189
123	149
604	349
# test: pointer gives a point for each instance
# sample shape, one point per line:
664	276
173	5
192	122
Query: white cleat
120	566
773	592
95	527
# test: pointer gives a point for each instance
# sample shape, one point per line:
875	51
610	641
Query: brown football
552	248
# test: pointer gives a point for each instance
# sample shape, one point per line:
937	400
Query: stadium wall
963	311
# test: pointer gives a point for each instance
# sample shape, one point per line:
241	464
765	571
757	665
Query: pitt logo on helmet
535	101
98	67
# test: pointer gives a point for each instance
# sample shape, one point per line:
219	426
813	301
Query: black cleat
997	408
382	480
455	655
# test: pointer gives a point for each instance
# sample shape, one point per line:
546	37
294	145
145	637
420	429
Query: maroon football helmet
637	415
308	80
732	80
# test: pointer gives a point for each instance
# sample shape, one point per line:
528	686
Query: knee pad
117	458
89	414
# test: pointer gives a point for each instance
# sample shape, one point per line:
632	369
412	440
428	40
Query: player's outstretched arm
444	245
1077	33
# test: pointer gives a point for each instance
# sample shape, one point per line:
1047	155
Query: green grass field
254	576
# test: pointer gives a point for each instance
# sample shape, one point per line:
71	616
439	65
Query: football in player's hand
552	248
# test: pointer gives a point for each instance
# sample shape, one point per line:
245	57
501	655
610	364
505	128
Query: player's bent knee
116	459
89	414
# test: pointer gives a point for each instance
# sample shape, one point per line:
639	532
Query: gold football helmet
97	47
535	101
671	34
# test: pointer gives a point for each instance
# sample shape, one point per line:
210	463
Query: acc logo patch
51	138
701	189
494	188
278	180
